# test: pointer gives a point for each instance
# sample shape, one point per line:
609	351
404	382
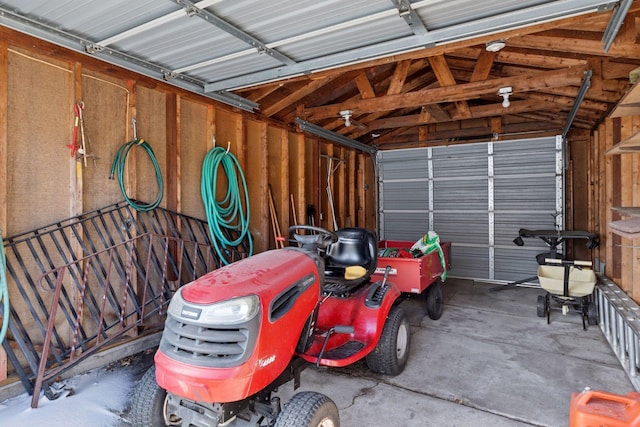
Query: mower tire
434	300
592	313
147	408
392	352
309	409
541	306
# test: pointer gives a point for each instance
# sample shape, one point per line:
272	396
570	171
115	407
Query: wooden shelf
628	228
627	145
627	210
629	104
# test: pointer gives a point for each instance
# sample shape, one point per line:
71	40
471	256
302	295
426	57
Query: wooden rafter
445	78
461	92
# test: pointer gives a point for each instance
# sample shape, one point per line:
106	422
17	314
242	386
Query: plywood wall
41	183
615	182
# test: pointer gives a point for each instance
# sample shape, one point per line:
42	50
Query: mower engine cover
233	331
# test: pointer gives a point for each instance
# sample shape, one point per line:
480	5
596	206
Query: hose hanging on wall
118	166
227	214
4	292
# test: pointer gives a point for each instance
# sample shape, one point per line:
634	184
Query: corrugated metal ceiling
216	45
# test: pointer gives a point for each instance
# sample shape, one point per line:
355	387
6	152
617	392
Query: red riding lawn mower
235	335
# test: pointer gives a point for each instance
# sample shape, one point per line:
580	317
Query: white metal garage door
476	196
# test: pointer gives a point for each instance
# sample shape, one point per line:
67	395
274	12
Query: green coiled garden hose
118	167
228	213
4	292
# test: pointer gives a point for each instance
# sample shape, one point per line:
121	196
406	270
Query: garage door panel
460	161
405	226
467	195
404	164
469	262
515	264
462	228
477	196
395	196
527	193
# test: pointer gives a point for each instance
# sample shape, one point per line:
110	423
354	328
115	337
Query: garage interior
473	119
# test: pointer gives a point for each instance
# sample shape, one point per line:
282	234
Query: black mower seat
356	247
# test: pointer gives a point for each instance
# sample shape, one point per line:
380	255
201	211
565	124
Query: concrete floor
489	360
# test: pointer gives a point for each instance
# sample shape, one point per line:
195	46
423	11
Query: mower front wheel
392	352
309	409
148	406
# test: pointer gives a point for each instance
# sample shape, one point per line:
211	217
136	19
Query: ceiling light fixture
495	46
505	92
346	116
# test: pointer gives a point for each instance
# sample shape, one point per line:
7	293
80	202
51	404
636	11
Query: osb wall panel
39	128
298	176
151	126
106	120
256	175
193	148
278	180
578	190
617	184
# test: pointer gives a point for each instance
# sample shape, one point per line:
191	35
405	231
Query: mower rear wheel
392	352
541	306
309	409
434	300
592	313
148	406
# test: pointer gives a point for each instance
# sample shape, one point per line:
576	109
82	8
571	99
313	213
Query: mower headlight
231	312
176	303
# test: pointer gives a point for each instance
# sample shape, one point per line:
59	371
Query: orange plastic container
594	408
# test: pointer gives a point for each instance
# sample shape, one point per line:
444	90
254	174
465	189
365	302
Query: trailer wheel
434	300
541	306
309	409
392	352
148	406
592	313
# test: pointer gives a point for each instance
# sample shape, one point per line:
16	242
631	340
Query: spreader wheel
392	352
541	306
309	409
149	400
592	313
434	300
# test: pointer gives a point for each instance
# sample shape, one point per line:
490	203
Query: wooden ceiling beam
483	66
565	101
294	97
574	45
508	56
364	86
449	137
477	112
461	92
445	78
399	77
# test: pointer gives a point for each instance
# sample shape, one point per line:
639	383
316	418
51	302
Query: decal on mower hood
192	313
266	361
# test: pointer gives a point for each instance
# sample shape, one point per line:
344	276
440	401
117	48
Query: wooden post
635	186
283	198
172	102
4	66
626	199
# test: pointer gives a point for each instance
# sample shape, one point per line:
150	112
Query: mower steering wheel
322	240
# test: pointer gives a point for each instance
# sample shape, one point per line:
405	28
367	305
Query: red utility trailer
411	275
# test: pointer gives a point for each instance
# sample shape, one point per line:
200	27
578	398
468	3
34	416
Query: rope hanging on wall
118	167
227	215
